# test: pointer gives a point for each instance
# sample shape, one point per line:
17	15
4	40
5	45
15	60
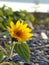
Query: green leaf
8	11
16	63
1	25
5	64
1	55
4	33
1	13
23	51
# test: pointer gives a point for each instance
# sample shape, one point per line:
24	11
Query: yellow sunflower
20	31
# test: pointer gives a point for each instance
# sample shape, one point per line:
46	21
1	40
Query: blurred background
29	5
36	14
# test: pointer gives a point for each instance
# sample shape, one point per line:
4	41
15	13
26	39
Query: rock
43	63
43	35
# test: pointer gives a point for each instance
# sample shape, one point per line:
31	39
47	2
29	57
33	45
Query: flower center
18	33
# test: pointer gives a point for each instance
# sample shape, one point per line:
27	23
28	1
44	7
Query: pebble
43	63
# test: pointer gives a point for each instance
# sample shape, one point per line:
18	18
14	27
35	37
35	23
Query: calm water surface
28	1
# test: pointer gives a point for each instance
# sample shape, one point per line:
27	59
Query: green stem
12	48
5	63
10	57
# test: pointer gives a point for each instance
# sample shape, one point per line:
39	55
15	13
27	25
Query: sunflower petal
27	30
12	24
25	25
18	24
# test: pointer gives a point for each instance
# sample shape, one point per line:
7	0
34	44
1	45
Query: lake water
28	1
28	5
